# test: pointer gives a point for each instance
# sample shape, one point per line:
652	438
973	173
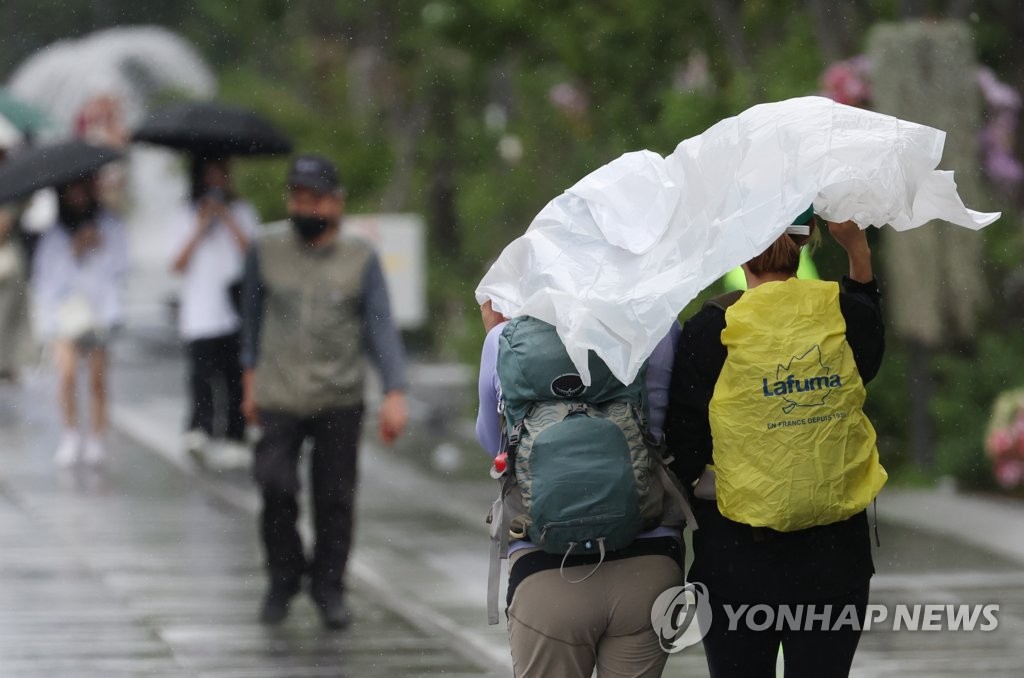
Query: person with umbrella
13	312
78	269
209	242
208	245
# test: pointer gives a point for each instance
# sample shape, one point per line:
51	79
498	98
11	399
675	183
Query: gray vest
311	347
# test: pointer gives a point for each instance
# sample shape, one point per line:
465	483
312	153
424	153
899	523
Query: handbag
75	318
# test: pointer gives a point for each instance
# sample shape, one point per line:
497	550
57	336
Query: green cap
805	217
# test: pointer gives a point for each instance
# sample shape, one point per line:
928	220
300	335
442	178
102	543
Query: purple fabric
659	378
488	423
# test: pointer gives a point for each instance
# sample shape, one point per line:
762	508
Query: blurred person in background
100	121
13	273
209	242
77	272
316	307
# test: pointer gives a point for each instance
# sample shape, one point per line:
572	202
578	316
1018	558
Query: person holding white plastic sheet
766	417
571	615
78	269
613	260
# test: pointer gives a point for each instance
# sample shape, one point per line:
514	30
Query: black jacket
735	561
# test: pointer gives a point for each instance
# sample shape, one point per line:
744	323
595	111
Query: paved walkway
152	568
144	570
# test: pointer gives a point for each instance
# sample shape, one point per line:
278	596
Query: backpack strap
677	505
724	301
500	523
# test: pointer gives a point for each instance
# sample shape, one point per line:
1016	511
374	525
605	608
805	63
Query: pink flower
1009	474
999	442
846	82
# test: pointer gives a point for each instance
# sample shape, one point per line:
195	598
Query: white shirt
96	278
206	309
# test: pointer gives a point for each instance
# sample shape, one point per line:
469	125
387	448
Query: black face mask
75	217
307	227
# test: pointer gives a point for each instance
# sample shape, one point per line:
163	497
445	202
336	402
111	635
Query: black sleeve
699	359
861	306
252	309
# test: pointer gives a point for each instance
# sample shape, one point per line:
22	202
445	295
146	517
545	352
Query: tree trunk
726	14
837	27
444	216
926	73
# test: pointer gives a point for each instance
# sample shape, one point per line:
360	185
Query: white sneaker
230	455
196	443
95	452
68	450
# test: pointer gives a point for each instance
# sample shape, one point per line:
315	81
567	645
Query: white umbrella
129	63
613	260
10	137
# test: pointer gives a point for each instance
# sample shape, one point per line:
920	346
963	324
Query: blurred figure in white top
209	243
77	271
13	315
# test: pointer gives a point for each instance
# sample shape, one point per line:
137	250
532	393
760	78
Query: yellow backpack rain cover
792	445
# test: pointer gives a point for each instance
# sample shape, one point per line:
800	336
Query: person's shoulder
491	340
109	218
710	319
356	245
496	331
276	234
246	211
356	251
55	236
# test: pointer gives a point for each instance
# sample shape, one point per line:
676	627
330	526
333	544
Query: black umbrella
29	170
213	129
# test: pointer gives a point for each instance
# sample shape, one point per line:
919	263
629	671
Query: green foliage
398	92
968	386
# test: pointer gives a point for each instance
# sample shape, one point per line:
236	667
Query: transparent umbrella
132	64
25	117
10	137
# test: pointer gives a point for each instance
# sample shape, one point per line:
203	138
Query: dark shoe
275	605
333	612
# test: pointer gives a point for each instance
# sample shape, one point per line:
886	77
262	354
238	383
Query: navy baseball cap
314	172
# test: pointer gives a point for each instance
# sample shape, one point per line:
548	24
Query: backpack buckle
514	435
577	408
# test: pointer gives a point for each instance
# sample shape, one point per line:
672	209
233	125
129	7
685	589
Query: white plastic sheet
613	260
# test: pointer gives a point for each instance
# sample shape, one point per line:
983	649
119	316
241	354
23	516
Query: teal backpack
580	454
582	475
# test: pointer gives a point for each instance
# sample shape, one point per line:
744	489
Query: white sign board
400	241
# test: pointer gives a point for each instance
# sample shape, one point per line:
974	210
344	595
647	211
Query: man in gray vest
315	306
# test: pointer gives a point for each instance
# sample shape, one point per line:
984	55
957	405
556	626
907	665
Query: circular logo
674	615
568	386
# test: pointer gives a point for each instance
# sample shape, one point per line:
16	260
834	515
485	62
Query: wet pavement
152	568
144	570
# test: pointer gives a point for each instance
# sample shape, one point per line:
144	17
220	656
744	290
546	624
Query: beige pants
561	630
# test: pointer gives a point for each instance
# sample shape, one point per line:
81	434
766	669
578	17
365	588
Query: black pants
747	653
210	361
335	436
